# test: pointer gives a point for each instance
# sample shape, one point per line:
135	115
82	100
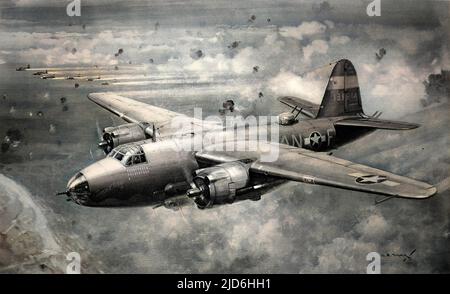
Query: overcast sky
197	12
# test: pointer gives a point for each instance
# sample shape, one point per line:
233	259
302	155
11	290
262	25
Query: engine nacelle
218	184
127	133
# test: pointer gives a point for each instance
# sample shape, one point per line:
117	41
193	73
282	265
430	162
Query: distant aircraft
90	79
38	73
22	68
144	166
48	76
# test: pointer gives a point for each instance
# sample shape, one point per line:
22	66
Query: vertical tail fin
342	95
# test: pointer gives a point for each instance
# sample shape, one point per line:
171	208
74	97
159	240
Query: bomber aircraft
146	166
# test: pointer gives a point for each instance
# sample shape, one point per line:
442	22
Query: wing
304	106
131	110
376	123
301	165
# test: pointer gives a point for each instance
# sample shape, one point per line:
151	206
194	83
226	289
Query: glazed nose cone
78	189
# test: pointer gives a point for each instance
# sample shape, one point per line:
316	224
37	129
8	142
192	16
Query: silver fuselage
108	182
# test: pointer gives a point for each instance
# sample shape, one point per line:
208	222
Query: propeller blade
99	131
154	133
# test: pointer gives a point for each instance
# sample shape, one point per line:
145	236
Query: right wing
301	165
320	169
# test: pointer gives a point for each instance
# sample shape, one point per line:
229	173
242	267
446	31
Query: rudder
342	95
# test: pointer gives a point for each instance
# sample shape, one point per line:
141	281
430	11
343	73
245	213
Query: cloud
306	29
60	56
219	63
339	40
373	227
394	87
316	47
290	84
264	56
343	255
406	38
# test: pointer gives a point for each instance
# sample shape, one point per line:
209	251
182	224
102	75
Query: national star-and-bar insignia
315	140
368	179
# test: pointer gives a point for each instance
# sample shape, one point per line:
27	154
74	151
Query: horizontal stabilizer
376	123
304	106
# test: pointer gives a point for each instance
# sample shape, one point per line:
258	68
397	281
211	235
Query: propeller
103	139
154	133
99	130
200	192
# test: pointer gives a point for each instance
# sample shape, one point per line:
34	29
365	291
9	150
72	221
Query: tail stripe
342	96
343	82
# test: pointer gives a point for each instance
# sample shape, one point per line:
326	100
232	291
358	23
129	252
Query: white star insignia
370	179
315	139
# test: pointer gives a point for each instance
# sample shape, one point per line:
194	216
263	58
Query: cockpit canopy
128	154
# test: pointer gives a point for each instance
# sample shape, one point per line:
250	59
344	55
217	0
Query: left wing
131	110
301	165
134	111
